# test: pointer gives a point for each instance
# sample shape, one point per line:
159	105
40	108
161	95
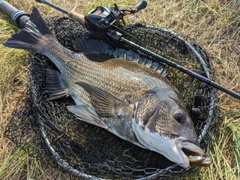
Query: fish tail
34	37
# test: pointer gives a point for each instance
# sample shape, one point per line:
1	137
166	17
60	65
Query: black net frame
59	138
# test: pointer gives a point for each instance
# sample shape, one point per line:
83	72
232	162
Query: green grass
214	24
19	166
224	153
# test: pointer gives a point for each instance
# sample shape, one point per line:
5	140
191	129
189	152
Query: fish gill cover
58	137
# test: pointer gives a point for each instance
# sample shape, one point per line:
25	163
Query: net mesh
57	137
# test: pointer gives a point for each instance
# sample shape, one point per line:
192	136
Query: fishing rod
102	19
19	17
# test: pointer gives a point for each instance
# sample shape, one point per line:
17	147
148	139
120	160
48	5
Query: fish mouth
194	154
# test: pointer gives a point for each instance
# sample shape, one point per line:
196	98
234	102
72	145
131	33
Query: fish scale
75	68
114	82
119	81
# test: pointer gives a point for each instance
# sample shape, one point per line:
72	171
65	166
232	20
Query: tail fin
32	37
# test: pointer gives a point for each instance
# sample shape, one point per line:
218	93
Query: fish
125	98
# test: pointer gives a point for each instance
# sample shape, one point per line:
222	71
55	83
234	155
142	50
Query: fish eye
179	117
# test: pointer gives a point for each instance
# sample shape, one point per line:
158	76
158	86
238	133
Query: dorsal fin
99	47
93	46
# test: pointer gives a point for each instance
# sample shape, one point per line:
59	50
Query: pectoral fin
87	115
55	86
104	103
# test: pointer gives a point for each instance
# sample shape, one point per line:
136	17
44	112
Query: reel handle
141	5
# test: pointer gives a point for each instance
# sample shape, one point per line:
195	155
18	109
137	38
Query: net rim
160	173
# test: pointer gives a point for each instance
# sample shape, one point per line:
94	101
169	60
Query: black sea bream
121	97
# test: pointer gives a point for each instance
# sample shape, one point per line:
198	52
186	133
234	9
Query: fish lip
189	152
192	147
194	153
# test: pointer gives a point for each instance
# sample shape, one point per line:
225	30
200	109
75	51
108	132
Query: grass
19	161
215	24
225	152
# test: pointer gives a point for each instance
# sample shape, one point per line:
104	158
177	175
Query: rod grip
19	17
77	17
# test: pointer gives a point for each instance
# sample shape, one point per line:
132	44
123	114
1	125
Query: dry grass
215	24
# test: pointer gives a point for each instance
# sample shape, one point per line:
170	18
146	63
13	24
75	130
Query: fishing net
58	138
